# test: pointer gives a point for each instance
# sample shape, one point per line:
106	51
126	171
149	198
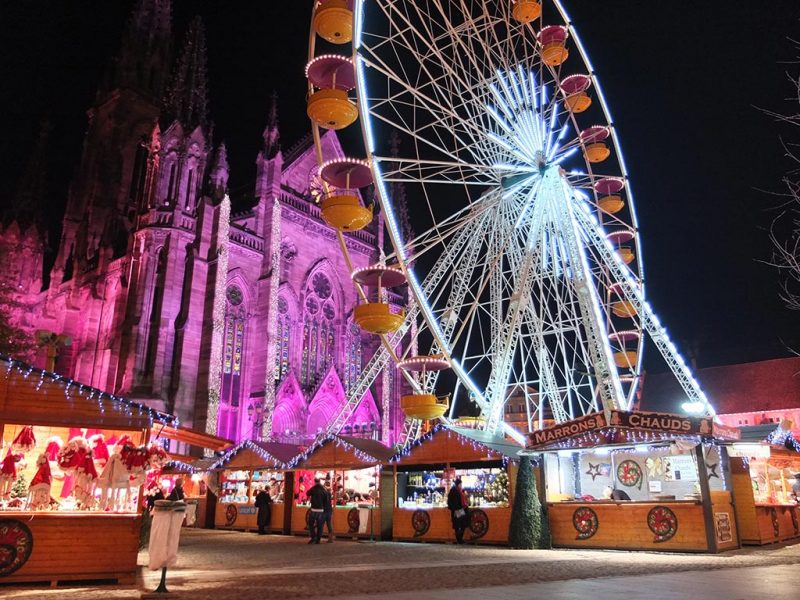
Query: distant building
237	323
757	393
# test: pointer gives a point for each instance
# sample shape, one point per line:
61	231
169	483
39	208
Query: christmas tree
528	528
497	490
20	487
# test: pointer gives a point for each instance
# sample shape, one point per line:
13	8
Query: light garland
783	437
387	382
273	366
218	318
72	388
462	439
252	446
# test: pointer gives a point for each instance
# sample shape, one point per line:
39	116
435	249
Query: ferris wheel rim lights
609	185
595	133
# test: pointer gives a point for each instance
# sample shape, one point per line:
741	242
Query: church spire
220	171
187	94
272	133
146	44
29	201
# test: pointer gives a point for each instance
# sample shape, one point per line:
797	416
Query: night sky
682	79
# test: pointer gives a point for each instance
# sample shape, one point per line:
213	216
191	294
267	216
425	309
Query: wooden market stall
763	469
244	471
637	481
352	467
66	509
422	477
192	470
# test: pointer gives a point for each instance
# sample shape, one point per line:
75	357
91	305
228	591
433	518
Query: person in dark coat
316	496
328	512
151	500
263	503
457	503
177	492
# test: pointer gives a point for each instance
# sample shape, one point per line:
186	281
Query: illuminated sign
569	429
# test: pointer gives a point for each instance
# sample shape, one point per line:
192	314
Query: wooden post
288	501
705	494
387	494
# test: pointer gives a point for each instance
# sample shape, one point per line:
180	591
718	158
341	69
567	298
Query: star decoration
594	471
712	470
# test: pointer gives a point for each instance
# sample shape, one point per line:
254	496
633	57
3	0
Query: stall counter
674	525
488	525
346	521
54	556
244	517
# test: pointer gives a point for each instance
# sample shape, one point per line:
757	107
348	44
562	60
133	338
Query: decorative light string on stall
71	386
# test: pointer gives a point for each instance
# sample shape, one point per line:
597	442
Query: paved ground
221	564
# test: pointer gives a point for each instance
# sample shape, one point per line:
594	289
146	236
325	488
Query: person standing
177	492
457	503
328	512
263	503
316	496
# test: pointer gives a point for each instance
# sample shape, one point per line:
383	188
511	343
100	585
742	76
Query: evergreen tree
528	529
20	487
14	341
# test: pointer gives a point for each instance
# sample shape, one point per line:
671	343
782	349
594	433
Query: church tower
102	195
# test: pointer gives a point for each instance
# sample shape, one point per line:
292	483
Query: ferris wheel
524	270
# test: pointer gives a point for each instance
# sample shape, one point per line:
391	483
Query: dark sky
682	80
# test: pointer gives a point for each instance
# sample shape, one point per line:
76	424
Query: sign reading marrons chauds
649	421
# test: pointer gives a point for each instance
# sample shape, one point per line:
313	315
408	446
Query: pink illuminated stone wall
137	267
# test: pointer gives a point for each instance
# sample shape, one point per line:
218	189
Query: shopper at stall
457	503
328	511
316	497
796	488
263	503
177	492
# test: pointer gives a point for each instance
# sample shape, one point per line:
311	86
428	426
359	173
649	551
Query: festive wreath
663	523
421	522
585	522
629	473
231	512
353	520
16	545
478	523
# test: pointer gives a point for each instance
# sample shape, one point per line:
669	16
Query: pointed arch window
319	337
282	334
155	311
233	349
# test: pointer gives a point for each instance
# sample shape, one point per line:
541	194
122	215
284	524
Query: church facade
238	323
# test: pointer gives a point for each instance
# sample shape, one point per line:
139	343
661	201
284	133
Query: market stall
763	468
242	473
424	474
637	481
74	460
193	471
351	467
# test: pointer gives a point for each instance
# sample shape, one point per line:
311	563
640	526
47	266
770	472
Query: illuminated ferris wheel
525	272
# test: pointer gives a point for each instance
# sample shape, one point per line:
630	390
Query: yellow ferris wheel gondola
424	406
341	208
333	20
379	317
526	11
329	106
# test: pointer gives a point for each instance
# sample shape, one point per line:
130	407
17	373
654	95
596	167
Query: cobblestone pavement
224	564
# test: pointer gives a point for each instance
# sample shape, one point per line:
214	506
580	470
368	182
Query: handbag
460	513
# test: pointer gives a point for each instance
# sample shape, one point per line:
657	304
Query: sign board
640	421
556	433
722	527
654	485
679	468
247	510
662	422
726	432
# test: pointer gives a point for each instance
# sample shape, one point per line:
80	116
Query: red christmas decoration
54	445
72	456
99	448
25	440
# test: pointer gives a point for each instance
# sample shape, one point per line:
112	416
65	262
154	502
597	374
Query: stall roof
498	443
343	451
272	454
33	396
448	444
192	437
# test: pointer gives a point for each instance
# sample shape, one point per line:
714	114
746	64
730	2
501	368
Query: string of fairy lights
74	389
